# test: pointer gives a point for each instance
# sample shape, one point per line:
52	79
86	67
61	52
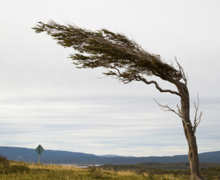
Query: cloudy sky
45	100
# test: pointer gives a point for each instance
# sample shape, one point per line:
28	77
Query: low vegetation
158	166
14	170
210	171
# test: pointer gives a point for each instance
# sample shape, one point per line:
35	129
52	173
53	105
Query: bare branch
179	109
139	78
169	109
128	77
197	121
181	71
179	113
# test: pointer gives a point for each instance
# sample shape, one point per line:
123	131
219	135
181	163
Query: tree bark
189	133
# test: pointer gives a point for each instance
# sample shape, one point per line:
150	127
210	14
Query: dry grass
62	172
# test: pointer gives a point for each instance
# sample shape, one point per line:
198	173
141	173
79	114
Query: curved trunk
189	133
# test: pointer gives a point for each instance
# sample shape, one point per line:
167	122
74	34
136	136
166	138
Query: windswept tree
125	60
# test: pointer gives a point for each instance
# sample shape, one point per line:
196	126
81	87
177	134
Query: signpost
39	150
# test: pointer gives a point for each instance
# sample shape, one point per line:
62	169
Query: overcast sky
45	100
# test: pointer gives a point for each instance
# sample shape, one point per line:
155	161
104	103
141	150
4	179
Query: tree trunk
190	136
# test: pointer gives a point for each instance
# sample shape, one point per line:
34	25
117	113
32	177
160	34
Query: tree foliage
125	59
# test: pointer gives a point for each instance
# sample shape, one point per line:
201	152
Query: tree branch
181	71
179	113
169	109
139	78
197	121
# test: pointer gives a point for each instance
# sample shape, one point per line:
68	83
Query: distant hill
109	155
65	157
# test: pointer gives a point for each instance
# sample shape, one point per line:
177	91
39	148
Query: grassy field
158	166
12	170
210	171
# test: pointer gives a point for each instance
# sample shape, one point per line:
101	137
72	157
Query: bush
96	172
18	168
142	171
14	169
4	162
6	168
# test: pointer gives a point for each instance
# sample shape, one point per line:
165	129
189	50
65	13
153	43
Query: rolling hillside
65	157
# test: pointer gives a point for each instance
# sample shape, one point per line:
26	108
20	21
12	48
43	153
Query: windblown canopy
124	58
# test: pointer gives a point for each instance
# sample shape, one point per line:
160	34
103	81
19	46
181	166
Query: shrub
6	168
18	168
14	169
4	162
95	171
